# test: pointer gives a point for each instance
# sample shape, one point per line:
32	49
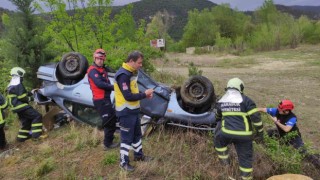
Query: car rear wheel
197	91
73	65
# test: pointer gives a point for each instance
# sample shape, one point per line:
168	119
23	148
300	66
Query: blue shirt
273	112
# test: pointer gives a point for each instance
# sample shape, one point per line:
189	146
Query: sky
242	5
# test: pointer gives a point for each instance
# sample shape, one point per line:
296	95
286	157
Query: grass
236	63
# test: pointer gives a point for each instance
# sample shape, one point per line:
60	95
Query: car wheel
197	91
73	65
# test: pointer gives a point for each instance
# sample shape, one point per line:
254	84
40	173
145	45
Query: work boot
112	146
41	137
127	167
143	158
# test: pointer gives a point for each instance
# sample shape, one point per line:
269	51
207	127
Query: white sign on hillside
157	43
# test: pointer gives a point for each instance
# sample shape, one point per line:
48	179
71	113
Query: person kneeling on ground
286	122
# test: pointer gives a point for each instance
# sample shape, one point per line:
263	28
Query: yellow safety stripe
223	157
248	170
258	124
240	133
25	131
19	106
260	130
252	111
221	149
22	136
37	124
36	130
22	96
1	119
12	95
246	123
234	114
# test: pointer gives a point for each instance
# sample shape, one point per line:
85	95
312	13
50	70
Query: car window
84	113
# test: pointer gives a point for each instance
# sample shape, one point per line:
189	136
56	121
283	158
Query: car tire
197	91
73	65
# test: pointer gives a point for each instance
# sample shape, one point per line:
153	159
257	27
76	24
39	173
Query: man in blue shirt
286	122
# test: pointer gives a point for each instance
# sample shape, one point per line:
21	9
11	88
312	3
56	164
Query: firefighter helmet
99	53
285	105
236	83
17	71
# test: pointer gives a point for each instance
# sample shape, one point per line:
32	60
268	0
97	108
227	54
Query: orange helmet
100	53
285	105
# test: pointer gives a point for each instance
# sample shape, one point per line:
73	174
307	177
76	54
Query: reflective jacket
127	96
237	117
99	83
18	98
3	105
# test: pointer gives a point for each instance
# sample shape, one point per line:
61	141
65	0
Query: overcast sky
242	5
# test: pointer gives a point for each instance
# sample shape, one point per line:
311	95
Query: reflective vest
121	102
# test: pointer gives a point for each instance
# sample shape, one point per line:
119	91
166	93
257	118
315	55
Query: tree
25	44
200	30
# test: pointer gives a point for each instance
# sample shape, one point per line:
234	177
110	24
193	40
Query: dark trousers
295	142
130	130
31	122
244	150
3	141
107	114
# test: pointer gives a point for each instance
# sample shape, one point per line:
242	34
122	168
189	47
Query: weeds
110	158
45	167
193	70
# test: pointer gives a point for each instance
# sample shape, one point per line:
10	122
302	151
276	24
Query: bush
193	70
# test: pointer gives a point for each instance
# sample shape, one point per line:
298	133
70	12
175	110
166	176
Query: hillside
178	10
312	12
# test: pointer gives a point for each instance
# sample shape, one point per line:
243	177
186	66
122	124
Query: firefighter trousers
31	124
244	149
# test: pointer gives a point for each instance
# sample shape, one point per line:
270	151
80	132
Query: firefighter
128	98
235	115
101	89
3	105
286	122
18	100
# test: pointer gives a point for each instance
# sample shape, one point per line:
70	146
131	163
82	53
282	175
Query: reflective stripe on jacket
237	118
18	98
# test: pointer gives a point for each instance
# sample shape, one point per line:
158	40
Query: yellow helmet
236	83
17	71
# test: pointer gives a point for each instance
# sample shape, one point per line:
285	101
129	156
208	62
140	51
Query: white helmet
17	71
236	83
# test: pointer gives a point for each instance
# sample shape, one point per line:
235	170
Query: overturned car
66	84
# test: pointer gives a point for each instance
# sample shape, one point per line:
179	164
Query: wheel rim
197	91
72	65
